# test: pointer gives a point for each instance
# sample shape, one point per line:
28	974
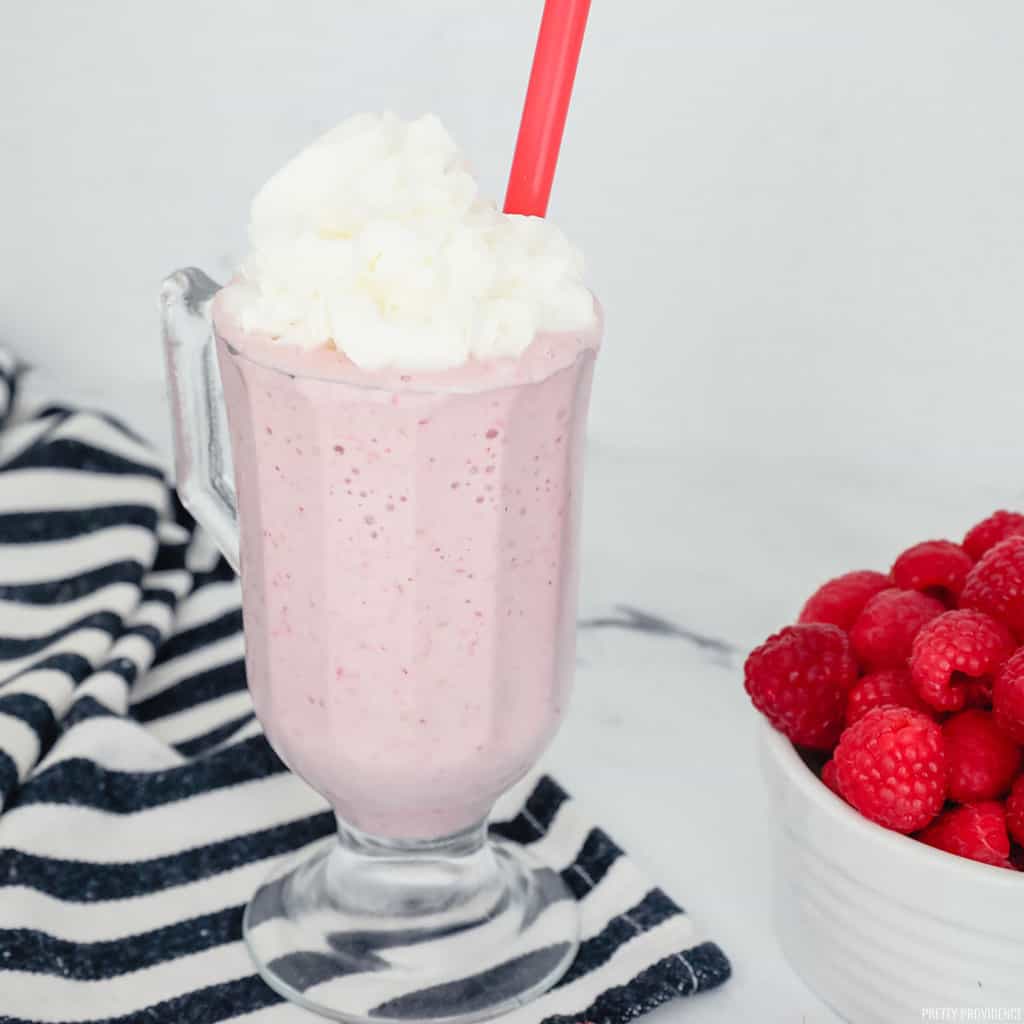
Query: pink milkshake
405	372
408	551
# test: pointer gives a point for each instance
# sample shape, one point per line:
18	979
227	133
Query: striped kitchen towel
141	805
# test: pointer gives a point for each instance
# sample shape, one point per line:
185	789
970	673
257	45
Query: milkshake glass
407	544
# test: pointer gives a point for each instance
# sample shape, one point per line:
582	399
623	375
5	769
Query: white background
804	220
804	217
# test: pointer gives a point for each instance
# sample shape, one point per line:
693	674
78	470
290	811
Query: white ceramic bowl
880	926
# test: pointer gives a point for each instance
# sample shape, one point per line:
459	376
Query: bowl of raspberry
894	753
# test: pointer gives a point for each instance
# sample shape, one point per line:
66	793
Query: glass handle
202	447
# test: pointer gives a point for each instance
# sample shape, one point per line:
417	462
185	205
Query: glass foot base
455	930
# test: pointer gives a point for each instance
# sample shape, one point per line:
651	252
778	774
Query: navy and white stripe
141	805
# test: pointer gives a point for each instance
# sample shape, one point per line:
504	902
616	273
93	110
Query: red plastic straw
547	102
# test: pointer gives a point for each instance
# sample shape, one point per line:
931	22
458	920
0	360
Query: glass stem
456	876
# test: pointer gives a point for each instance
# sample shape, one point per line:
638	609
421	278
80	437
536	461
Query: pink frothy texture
409	568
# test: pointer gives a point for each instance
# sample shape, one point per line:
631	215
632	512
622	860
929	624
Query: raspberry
939	567
981	760
884	631
1008	697
996	584
891	766
828	776
1014	810
975	831
841	600
890	686
991	531
954	649
798	679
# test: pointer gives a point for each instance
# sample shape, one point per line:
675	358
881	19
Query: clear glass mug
408	557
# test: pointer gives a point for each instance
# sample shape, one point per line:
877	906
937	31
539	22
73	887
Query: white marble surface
660	742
